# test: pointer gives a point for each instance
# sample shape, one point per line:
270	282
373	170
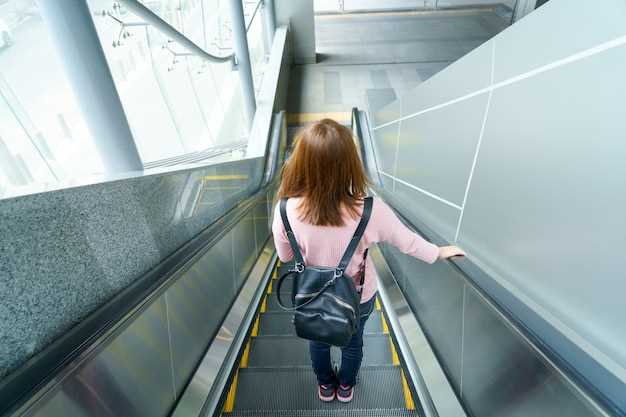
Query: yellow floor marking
269	288
255	329
395	360
229	406
408	396
299	118
385	327
245	356
377	304
224	177
264	305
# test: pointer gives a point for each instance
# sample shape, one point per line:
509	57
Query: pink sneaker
345	393
326	392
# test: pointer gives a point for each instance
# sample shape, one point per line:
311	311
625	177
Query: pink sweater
324	245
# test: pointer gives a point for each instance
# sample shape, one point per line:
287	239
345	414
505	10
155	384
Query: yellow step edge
275	274
229	405
395	359
269	288
245	357
378	304
299	118
264	305
255	328
408	396
385	327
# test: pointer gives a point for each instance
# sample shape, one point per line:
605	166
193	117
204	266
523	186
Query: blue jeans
351	355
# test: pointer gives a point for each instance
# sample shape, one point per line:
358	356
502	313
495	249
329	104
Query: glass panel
43	137
175	103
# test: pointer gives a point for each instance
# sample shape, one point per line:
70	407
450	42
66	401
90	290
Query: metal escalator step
378	388
323	413
289	351
278	323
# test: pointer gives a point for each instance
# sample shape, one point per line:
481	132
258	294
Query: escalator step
378	388
279	324
324	413
282	351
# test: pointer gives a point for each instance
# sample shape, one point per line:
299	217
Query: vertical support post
269	24
74	36
242	54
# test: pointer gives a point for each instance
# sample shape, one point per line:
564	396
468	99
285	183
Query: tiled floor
361	54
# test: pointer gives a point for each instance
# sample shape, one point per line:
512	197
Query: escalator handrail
112	317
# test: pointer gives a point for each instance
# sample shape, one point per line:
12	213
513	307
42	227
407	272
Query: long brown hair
326	171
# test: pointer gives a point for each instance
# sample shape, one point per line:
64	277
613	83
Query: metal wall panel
454	82
261	224
385	143
581	25
435	293
243	249
131	377
503	376
439	160
547	199
419	207
196	306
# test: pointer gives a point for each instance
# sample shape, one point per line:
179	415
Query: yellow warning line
255	329
264	305
299	118
229	406
385	327
245	357
408	396
224	177
395	359
378	304
269	288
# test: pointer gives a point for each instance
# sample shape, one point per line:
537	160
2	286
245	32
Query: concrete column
74	36
269	24
242	54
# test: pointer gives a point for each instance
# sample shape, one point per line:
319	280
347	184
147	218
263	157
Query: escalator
275	376
217	334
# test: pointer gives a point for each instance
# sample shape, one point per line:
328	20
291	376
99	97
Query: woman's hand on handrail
446	252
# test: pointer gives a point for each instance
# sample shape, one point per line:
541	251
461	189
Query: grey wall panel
581	25
388	113
243	248
130	377
196	305
420	207
385	143
547	200
440	160
503	377
456	81
435	293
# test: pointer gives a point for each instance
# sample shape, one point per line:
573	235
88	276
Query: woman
325	183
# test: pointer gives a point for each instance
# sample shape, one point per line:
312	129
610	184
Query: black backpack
325	300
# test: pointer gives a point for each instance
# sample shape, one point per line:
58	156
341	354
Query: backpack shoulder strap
358	234
292	238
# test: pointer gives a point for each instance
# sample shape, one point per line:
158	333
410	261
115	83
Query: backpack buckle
337	273
298	267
